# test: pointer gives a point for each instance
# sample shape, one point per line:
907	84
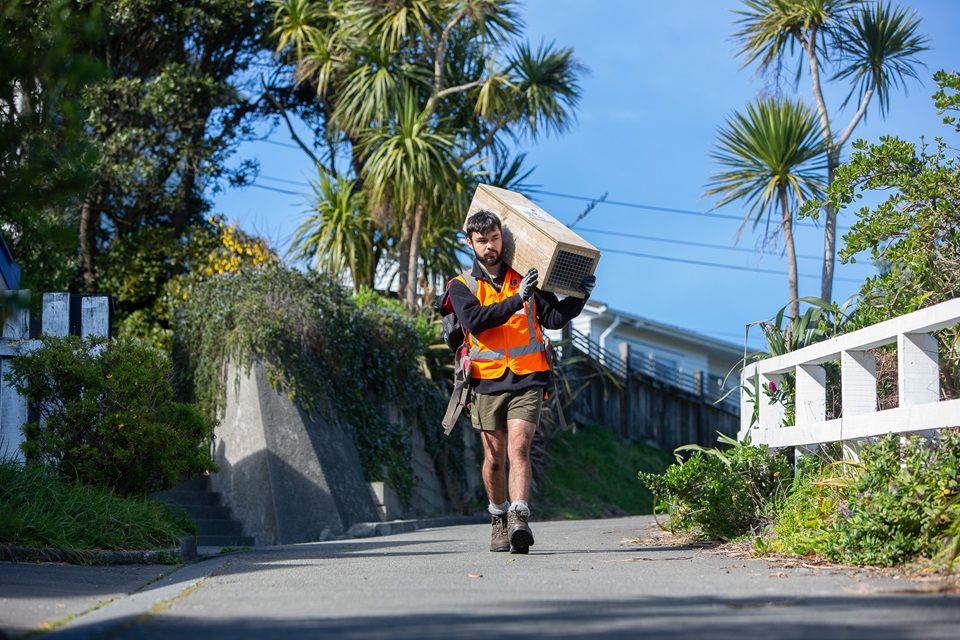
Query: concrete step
195	483
203	511
215	524
185	497
225	541
218	527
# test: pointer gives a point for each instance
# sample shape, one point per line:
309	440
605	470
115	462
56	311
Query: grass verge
591	474
39	509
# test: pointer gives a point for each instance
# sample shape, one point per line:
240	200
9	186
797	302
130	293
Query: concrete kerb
185	551
372	529
140	603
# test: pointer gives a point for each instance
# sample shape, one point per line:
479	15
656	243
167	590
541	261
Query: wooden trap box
532	238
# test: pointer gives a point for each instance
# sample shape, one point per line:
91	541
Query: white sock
520	506
499	509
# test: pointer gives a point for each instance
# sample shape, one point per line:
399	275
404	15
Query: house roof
9	270
719	348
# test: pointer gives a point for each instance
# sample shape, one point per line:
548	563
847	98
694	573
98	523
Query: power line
627	253
602	200
266	188
285	181
281	144
718	265
635	205
690	243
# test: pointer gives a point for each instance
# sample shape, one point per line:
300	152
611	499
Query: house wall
671	346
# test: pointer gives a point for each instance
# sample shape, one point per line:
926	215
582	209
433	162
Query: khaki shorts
488	412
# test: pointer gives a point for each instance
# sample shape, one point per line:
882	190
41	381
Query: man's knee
520	451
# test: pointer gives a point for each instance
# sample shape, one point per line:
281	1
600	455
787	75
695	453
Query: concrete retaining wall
291	478
287	477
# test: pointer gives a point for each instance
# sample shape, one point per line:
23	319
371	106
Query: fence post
918	370
749	397
95	316
627	391
13	407
811	402
858	390
773	414
55	321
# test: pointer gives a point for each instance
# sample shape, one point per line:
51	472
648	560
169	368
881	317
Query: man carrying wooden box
509	370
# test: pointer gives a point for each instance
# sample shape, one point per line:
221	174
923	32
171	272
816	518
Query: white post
56	314
771	414
95	316
858	382
918	371
748	386
17	326
811	402
858	390
13	407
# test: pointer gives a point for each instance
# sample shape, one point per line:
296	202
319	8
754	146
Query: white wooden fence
94	320
918	376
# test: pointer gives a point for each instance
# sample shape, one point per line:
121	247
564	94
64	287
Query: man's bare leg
495	482
519	440
495	465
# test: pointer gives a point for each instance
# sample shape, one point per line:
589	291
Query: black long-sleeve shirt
552	313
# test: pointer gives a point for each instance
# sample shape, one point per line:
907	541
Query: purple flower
773	387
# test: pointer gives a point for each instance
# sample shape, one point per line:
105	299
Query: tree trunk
185	203
406	233
829	236
413	269
89	225
791	254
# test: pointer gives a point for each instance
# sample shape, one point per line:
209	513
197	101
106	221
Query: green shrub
40	509
107	415
899	503
903	502
720	495
803	518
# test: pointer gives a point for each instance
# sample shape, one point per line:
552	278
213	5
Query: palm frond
776	144
548	87
338	233
879	48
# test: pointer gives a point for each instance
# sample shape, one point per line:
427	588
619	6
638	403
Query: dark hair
482	222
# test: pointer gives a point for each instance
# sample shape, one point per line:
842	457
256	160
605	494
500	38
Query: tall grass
40	510
590	473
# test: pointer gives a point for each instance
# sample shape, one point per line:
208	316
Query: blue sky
663	77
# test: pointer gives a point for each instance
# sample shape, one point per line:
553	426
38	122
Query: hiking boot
521	538
499	540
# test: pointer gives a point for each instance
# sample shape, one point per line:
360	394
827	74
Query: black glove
587	284
528	284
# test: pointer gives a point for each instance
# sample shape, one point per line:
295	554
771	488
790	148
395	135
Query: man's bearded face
487	247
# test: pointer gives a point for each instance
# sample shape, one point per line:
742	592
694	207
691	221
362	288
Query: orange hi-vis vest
517	344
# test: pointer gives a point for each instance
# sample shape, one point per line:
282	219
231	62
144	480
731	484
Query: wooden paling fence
919	406
63	314
663	409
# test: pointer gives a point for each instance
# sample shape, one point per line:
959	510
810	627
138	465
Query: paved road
581	579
